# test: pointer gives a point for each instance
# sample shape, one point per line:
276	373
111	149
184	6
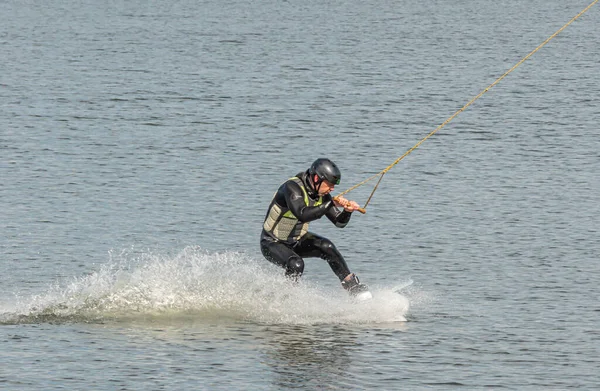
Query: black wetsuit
288	252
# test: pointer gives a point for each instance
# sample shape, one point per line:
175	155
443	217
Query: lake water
141	143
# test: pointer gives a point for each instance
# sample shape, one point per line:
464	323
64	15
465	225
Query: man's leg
313	245
282	255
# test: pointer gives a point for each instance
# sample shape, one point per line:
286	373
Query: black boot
355	288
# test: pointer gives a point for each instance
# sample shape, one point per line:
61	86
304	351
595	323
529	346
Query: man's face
324	187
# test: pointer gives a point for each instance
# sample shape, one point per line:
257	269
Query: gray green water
141	142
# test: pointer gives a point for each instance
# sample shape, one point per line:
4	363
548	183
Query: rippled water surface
141	143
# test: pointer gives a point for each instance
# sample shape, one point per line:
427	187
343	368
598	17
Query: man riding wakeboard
285	239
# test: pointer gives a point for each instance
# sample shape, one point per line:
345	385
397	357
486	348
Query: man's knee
327	246
295	266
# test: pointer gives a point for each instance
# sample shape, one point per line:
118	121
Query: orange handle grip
361	210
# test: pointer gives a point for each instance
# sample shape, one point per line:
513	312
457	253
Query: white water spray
205	286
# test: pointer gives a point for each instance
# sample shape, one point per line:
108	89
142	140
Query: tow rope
385	170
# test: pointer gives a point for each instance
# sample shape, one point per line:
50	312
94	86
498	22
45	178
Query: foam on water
206	286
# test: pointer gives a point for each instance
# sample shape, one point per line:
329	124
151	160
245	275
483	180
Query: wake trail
206	286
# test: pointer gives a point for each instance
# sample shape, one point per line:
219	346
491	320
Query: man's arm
337	217
294	197
341	219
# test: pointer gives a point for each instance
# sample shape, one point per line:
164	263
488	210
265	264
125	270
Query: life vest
281	222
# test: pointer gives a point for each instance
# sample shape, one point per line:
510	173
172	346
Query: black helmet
325	169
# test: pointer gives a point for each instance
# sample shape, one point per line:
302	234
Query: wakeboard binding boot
356	289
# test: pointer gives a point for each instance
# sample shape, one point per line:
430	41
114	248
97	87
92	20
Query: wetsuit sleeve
339	218
294	198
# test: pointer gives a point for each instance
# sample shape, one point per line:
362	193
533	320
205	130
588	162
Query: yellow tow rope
382	172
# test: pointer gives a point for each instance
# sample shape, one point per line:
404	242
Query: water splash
210	287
